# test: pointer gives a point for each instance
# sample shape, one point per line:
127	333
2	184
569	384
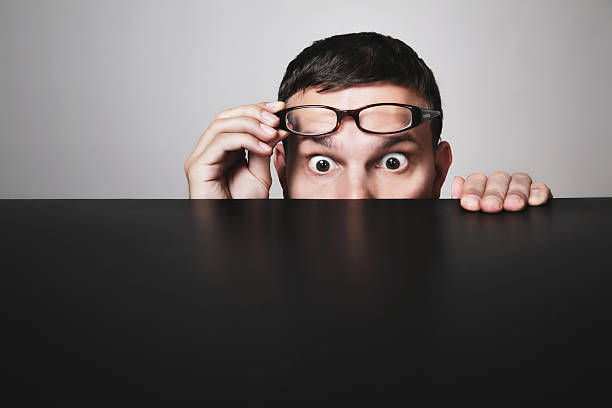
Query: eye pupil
322	165
392	163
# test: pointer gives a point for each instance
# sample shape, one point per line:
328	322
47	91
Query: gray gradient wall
106	99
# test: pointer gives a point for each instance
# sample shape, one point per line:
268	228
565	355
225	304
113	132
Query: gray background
106	99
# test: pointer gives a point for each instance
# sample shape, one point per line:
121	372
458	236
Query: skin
218	167
357	159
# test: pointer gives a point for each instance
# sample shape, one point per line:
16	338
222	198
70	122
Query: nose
354	185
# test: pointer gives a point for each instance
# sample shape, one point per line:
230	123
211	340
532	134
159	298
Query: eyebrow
388	142
328	142
392	141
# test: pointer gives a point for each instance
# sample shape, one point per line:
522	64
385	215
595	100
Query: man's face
350	163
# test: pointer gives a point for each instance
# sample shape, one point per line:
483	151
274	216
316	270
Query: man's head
347	72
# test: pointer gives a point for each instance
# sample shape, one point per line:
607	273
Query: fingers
244	119
259	166
243	124
457	187
472	191
248	127
262	112
539	193
518	192
216	152
228	120
254	111
257	119
499	191
495	192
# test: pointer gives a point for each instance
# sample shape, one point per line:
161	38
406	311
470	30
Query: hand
498	191
218	167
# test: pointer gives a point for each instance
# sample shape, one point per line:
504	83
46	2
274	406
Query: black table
115	301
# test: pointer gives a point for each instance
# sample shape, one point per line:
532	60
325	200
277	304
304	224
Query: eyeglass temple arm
427	114
281	115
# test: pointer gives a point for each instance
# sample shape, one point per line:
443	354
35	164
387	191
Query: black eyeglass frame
419	116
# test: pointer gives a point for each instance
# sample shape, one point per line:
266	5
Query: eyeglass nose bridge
341	114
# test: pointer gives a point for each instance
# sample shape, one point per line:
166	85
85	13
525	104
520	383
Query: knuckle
222	114
221	138
241	138
265	182
252	126
260	104
251	121
522	177
495	192
214	126
477	177
518	193
255	109
500	174
236	124
188	168
471	191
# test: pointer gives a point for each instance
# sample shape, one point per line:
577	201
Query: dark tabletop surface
108	301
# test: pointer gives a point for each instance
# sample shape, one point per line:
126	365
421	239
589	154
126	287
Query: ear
280	162
443	157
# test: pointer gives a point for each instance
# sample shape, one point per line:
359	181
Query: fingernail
494	200
515	199
267	129
268	116
534	196
274	105
472	201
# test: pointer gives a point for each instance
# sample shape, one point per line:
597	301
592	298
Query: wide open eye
321	164
394	161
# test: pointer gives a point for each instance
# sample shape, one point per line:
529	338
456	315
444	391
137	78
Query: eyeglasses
378	118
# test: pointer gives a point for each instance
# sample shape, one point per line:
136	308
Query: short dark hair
347	60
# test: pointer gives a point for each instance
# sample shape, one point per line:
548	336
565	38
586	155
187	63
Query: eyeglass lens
381	118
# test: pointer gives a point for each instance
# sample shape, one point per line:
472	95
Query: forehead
357	96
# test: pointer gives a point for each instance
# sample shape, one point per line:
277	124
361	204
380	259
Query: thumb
259	166
457	187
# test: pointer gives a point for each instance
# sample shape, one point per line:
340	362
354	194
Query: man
374	132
